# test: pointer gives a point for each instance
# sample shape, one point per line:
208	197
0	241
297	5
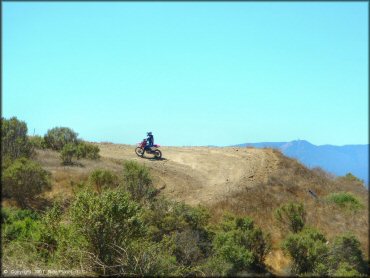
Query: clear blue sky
192	73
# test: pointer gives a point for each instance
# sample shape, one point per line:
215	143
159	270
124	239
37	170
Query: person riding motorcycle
150	141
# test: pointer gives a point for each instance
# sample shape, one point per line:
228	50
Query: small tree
291	216
23	180
57	137
14	140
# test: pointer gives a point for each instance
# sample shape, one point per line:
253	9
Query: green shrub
14	140
291	216
137	180
23	180
346	256
351	177
78	151
19	224
107	221
67	153
146	258
241	245
345	200
37	142
103	178
308	250
57	137
85	150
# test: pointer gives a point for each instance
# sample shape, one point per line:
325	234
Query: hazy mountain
338	160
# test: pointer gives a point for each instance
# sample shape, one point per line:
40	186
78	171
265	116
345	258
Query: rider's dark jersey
150	140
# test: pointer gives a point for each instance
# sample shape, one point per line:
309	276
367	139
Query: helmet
149	133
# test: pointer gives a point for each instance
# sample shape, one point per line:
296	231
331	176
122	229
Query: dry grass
291	182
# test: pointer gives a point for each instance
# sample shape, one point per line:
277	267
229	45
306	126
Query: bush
346	257
19	224
37	142
103	178
80	150
352	177
85	150
68	152
307	249
14	140
146	258
138	181
241	245
23	180
291	216
57	137
107	221
345	200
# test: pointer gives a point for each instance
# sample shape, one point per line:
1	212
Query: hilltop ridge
338	160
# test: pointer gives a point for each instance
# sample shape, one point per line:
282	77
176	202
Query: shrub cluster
345	200
312	254
124	230
65	140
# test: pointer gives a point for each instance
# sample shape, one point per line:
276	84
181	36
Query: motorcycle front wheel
157	154
139	151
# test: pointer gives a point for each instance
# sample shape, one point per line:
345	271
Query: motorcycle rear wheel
139	151
157	154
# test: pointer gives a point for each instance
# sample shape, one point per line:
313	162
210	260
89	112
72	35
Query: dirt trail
202	174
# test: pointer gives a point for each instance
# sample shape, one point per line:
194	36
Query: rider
150	141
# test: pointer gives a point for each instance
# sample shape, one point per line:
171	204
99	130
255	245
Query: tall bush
57	137
14	140
23	180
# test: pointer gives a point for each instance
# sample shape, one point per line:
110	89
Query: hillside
245	181
338	160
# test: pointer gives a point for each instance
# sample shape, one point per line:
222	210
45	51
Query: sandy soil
201	174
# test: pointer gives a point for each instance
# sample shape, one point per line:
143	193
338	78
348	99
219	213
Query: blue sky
192	73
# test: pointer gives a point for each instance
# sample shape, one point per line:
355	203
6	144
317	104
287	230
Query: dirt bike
140	150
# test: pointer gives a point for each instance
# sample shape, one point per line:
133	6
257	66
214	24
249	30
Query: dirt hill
245	181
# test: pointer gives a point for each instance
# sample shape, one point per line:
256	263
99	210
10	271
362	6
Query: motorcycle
140	150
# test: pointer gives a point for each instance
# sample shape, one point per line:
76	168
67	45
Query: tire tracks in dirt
202	175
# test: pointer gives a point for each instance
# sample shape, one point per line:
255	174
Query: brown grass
291	182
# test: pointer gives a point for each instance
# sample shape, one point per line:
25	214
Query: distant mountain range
338	160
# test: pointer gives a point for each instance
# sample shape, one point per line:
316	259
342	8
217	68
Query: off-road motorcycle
140	149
